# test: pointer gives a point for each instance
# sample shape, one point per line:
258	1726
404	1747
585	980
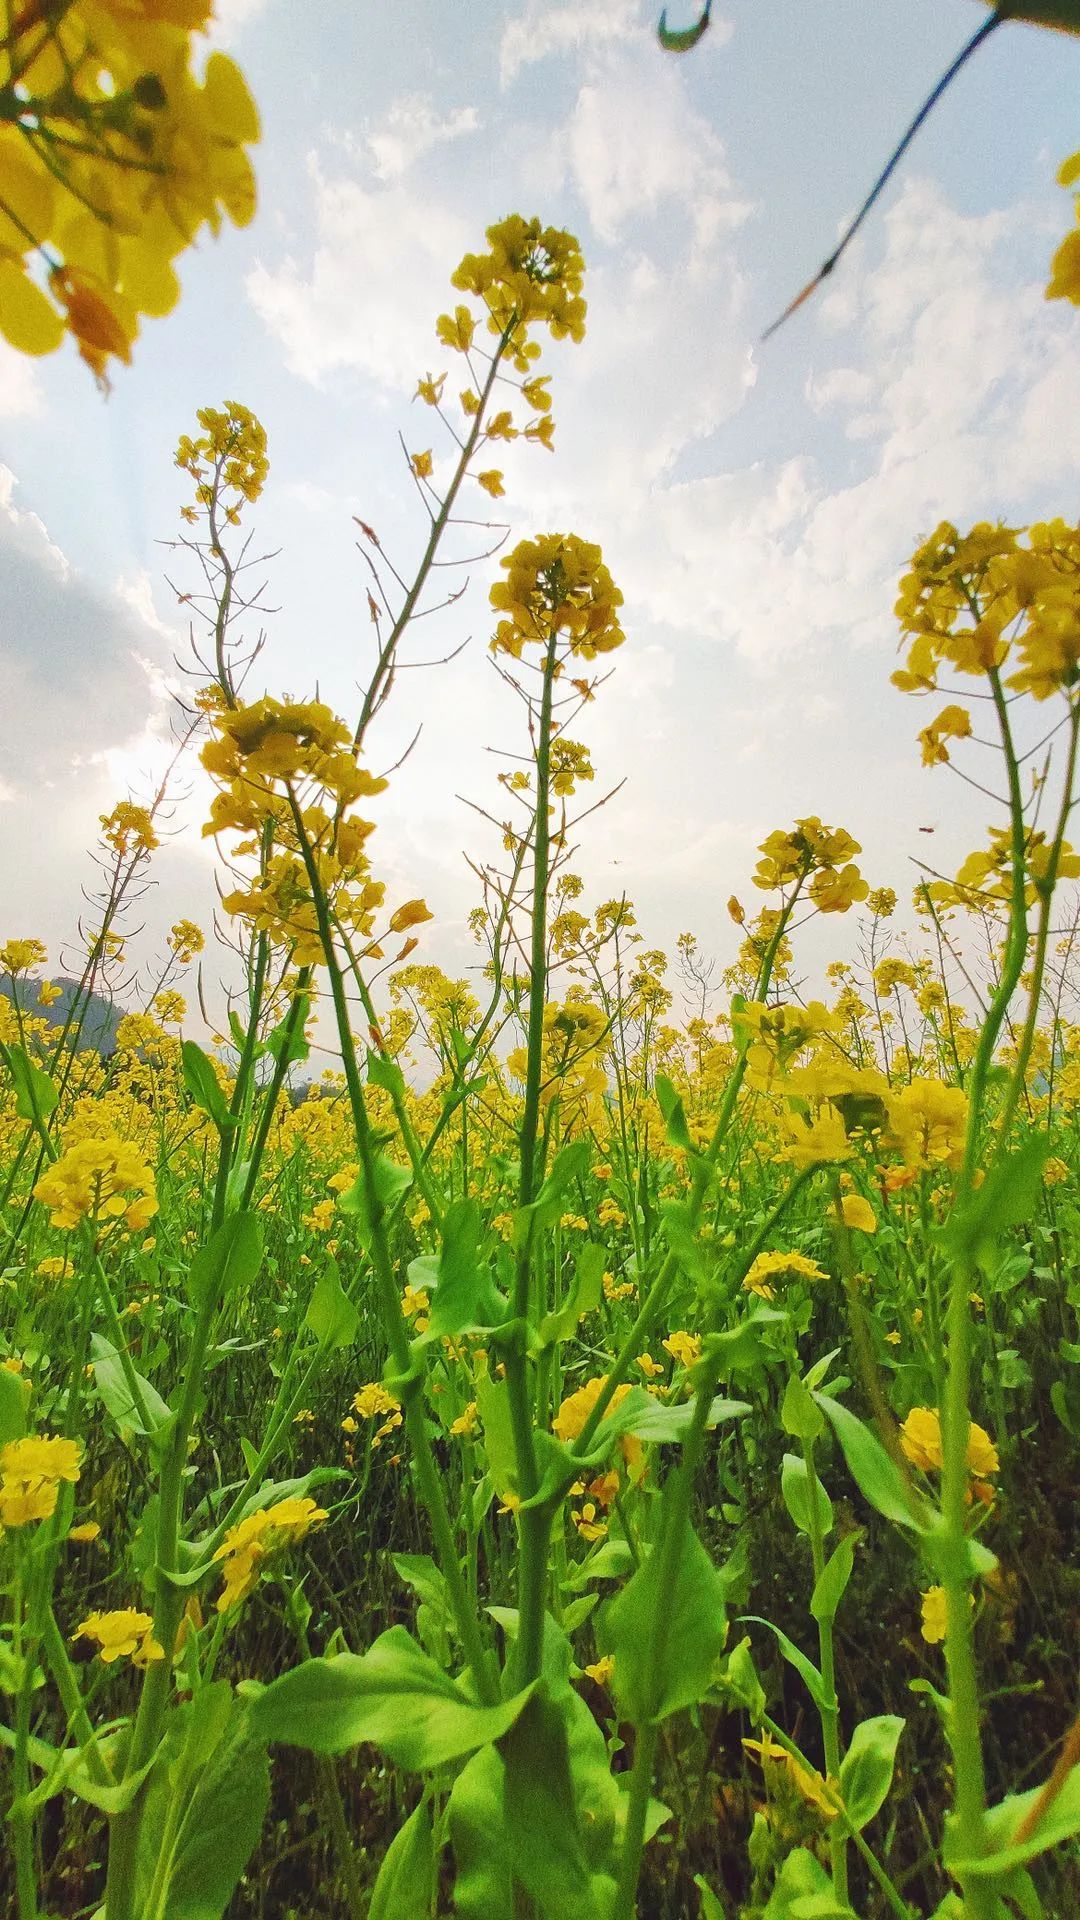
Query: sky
755	503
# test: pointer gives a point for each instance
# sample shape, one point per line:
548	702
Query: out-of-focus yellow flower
777	1269
96	1179
267	1531
857	1213
124	1633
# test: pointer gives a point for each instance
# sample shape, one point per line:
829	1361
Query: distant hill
100	1018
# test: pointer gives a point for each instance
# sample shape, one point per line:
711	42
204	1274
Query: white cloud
542	30
635	145
366	297
411	128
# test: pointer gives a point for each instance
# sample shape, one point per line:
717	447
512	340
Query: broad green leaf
690	1256
540	1816
493	1405
800	1661
800	1877
741	1679
656	1675
866	1770
584	1296
391	1180
206	1799
1061	1821
799	1415
830	1588
877	1476
569	1164
638	1413
202	1083
610	1560
35	1092
14	1397
1006	1199
674	1113
394	1696
384	1072
229	1261
290	1051
743	1349
117	1398
796	1489
331	1316
483	1885
464	1296
407	1875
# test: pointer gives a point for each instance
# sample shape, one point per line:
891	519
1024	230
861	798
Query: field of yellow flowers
572	1459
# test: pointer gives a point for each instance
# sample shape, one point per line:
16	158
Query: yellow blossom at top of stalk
129	829
94	1179
971	600
18	956
120	156
556	584
532	275
228	457
928	1124
826	853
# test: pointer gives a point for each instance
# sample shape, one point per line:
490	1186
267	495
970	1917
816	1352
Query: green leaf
14	1396
202	1083
685	1247
288	1051
385	1073
800	1661
830	1588
681	39
540	1817
877	1476
493	1406
229	1261
638	1413
584	1296
407	1875
710	1905
674	1113
1006	1199
394	1696
743	1349
204	1808
740	1680
35	1092
391	1181
866	1770
483	1885
331	1316
795	1487
569	1164
799	1415
464	1295
658	1675
800	1877
116	1395
1061	1821
610	1560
